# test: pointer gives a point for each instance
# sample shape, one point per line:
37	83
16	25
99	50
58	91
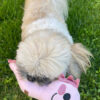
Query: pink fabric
70	80
62	89
54	91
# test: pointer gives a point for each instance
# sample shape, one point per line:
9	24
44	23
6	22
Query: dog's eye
31	78
67	96
43	80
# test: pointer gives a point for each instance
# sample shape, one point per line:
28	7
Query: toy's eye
67	96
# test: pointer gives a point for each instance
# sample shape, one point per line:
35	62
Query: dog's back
37	9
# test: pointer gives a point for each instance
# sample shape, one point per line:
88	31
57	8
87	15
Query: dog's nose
66	96
30	78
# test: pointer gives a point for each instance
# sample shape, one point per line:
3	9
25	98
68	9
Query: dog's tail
80	59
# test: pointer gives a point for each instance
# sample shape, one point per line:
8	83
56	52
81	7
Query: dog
47	49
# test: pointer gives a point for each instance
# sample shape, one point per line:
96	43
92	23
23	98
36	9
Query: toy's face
66	92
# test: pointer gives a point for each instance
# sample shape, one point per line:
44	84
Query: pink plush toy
61	89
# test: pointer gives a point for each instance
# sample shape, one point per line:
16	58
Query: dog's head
43	57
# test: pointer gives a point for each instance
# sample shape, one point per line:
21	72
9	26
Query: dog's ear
80	59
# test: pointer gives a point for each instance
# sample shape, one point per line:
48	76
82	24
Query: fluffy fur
45	53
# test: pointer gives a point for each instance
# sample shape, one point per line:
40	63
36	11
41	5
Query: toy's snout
62	89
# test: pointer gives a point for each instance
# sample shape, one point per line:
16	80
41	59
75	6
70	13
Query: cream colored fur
47	51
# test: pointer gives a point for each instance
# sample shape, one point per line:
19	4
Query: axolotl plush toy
61	89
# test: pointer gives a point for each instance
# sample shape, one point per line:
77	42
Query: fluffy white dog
47	49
